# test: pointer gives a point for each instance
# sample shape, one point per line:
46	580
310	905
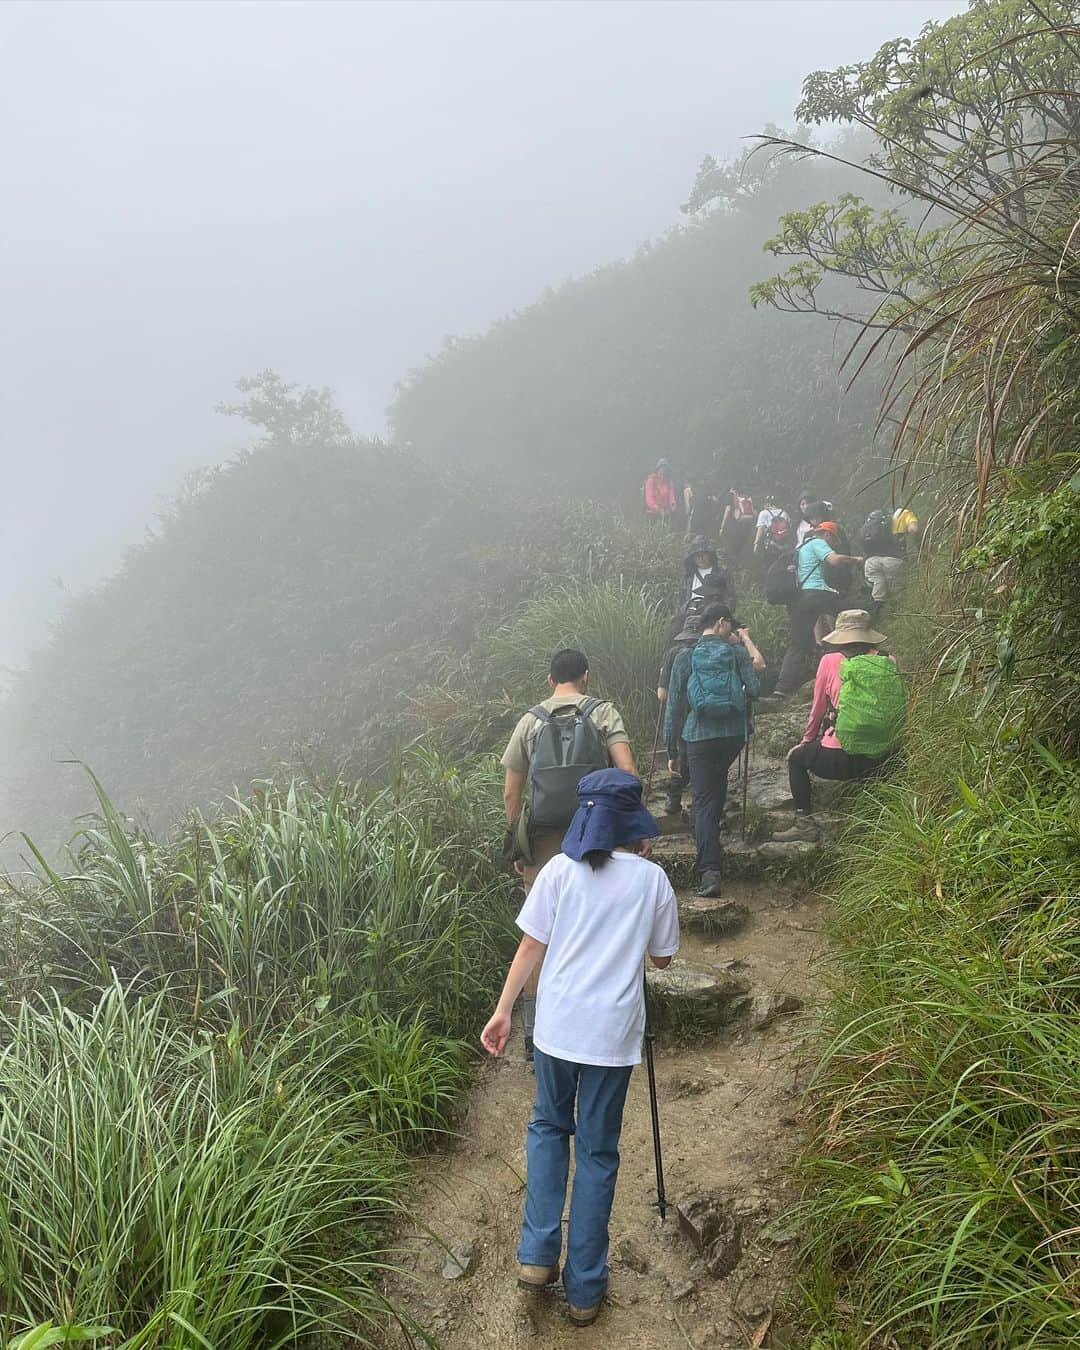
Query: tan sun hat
853	625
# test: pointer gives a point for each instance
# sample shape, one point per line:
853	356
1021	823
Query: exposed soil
729	1107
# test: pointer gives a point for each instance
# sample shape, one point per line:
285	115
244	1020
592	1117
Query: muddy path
731	1066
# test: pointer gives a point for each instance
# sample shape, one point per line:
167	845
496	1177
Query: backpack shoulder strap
590	705
541	714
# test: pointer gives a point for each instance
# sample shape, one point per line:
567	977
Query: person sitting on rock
680	779
593	914
855	719
708	717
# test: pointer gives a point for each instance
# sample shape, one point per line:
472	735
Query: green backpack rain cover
872	705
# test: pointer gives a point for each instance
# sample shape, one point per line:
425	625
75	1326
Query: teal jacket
683	723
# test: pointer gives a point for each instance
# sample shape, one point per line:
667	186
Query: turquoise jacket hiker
683	723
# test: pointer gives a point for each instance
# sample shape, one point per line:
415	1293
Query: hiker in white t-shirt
774	533
593	913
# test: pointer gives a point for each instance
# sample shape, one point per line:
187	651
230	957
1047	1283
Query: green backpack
872	707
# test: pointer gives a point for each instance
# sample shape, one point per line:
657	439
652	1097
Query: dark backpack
876	531
715	686
568	745
781	580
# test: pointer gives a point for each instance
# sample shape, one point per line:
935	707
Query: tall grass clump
292	903
217	1052
943	1205
179	1191
622	630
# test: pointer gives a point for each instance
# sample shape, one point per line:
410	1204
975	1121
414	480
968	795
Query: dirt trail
728	1107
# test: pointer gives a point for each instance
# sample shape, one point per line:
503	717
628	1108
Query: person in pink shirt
820	752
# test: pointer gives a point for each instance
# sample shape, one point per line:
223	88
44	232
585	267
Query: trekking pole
652	757
746	764
661	1194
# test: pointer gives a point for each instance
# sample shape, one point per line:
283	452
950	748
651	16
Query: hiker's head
701	552
611	814
569	666
663	468
770	500
717	621
691	629
806	500
853	631
816	512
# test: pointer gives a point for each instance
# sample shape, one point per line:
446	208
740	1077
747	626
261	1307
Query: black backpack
568	745
876	530
782	580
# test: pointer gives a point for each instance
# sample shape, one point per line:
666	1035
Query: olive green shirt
604	716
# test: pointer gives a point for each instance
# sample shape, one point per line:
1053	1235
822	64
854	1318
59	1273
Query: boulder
711	1225
717	917
686	997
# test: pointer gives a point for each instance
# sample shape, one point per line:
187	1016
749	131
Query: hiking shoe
710	886
537	1277
584	1317
673	806
530	1055
804	829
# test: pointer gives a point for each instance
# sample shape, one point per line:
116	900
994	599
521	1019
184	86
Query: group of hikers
580	832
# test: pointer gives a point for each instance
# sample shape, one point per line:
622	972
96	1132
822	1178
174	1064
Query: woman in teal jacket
711	735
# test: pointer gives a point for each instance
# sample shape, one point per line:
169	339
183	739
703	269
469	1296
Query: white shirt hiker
597	927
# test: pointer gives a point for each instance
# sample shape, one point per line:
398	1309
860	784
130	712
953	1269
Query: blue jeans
600	1096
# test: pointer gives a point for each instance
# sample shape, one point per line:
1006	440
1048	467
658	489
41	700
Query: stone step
717	918
687	997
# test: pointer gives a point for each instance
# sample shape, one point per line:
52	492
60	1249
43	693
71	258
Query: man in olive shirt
569	681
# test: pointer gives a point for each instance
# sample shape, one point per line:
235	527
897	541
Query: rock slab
686	996
460	1261
712	916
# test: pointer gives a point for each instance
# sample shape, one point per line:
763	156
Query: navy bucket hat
610	812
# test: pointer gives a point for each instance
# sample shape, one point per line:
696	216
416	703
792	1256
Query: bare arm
660	962
758	537
513	795
622	757
839	559
528	956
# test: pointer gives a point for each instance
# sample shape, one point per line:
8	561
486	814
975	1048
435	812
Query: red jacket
660	499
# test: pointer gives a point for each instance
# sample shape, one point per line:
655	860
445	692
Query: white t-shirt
801	531
590	1008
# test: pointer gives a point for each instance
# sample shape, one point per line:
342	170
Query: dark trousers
799	663
709	762
825	762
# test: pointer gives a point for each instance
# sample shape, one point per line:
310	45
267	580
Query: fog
198	191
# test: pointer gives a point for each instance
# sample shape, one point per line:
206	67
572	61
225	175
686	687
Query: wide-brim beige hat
853	625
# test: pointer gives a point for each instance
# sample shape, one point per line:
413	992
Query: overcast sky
195	191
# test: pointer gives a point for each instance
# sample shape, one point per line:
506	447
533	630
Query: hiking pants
825	762
882	575
709	762
798	664
599	1094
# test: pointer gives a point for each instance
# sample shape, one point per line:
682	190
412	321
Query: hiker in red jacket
661	498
